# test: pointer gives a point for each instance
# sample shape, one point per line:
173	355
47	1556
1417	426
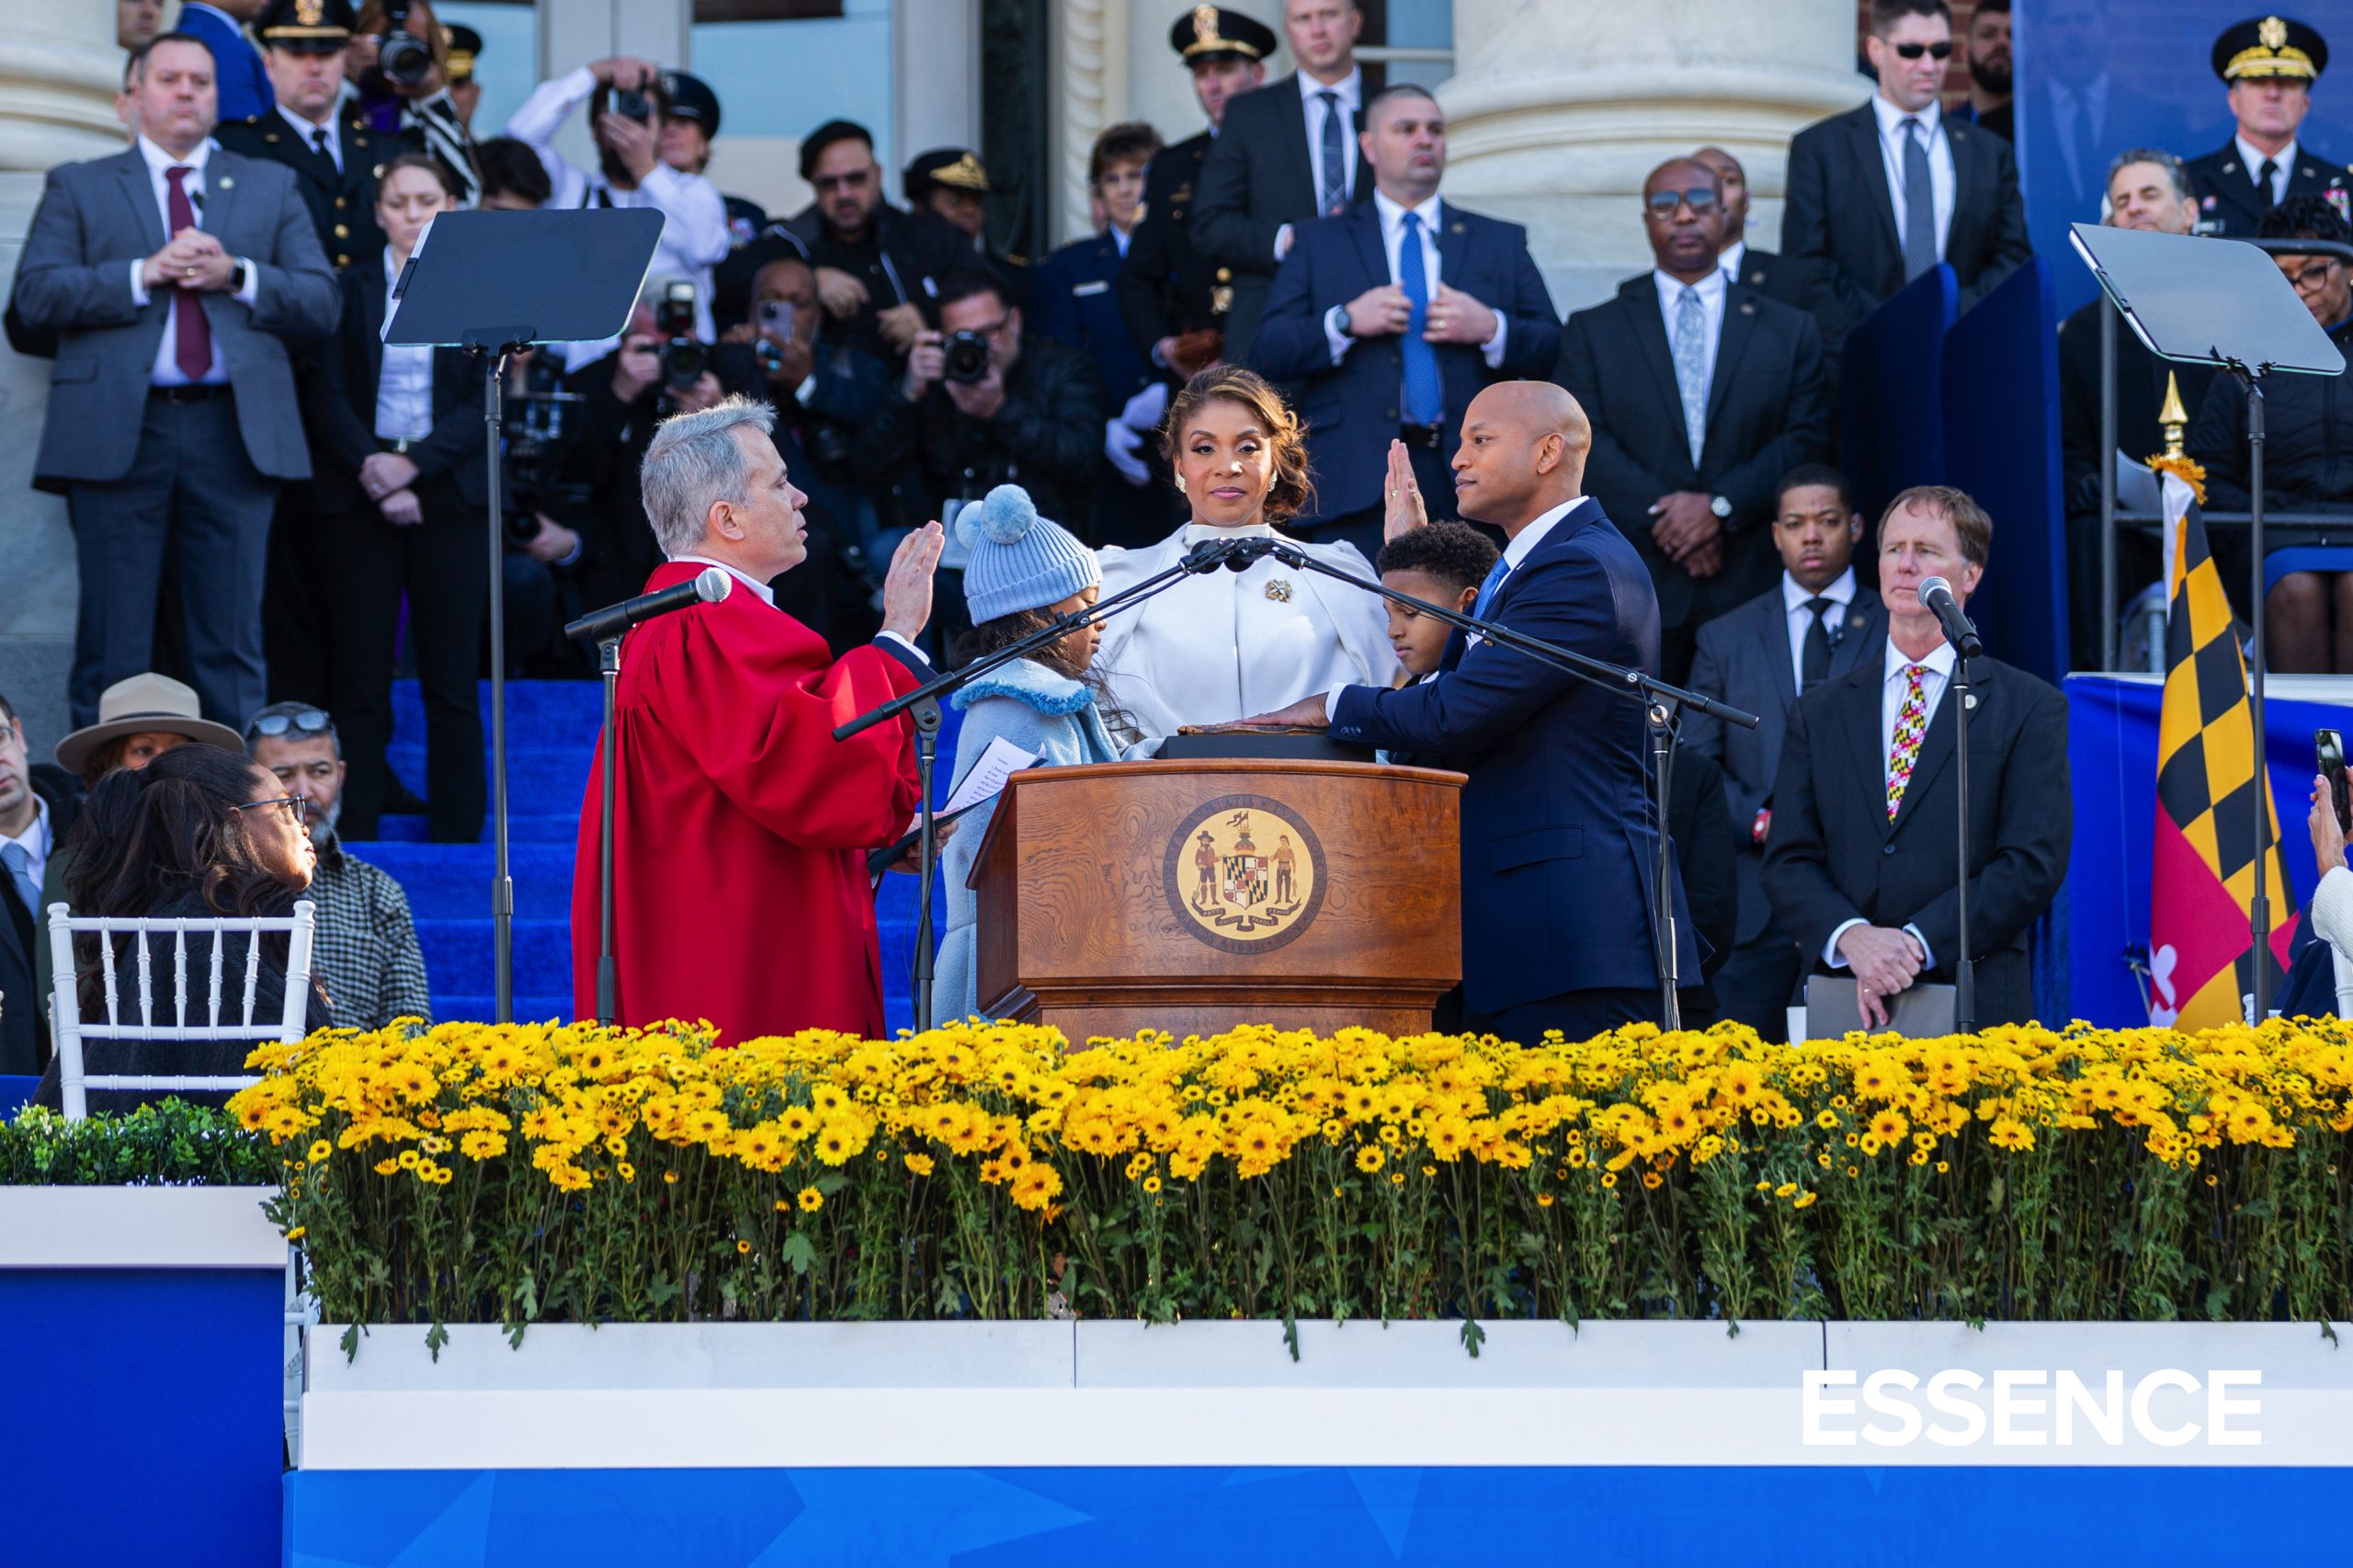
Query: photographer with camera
979	406
644	158
399	69
876	267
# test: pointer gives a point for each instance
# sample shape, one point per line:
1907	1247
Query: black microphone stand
608	667
1966	645
1663	705
494	347
924	703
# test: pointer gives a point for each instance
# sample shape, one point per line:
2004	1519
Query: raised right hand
906	591
1405	510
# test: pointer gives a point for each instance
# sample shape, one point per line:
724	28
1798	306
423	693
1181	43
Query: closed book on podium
1196	895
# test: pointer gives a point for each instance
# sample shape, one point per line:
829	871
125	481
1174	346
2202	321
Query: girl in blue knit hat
1025	573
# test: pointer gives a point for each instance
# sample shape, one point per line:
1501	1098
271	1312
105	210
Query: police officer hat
1209	35
2270	46
307	26
465	45
692	98
956	167
824	136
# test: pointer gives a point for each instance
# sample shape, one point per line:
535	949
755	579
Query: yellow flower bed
535	1173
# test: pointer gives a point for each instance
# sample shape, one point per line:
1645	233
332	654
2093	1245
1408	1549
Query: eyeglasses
303	720
293	807
1702	199
1914	51
841	182
2313	276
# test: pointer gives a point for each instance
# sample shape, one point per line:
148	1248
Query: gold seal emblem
2272	33
1204	25
308	12
1244	874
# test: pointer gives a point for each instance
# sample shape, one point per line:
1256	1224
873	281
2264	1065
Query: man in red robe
740	824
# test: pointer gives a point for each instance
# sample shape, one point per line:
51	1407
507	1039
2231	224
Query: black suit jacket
1838	211
1768	410
1168	285
1833	856
2139	394
2227	203
1743	659
1258	177
341	405
24	1039
342	201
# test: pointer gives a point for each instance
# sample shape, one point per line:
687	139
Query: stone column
58	70
1558	110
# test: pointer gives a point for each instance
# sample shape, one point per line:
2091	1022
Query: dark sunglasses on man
302	722
1661	204
1933	51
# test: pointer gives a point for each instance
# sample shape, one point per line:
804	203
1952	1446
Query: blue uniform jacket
1557	840
236	64
1077	298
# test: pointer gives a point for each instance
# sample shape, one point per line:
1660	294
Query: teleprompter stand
494	284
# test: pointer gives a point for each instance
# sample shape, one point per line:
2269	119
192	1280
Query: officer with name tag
2269	64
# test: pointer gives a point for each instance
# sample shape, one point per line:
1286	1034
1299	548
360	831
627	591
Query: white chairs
238	1024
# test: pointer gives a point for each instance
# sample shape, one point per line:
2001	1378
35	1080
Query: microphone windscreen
1930	586
713	584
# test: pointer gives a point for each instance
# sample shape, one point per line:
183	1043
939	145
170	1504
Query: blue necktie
1333	199
1487	586
1919	205
1425	395
19	863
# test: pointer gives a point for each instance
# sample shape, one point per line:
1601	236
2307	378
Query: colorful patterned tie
1911	723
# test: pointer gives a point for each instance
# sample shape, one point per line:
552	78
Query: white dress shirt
404	384
1794	599
1711	291
1941	179
1734	258
1936	675
306	133
2253	161
167	370
1352	95
36	842
1392	245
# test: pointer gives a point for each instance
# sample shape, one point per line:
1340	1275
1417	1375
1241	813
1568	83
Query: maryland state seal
1244	874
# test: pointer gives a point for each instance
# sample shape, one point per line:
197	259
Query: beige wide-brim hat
142	704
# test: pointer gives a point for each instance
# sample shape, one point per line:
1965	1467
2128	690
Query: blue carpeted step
458	958
451	881
539	712
546	775
522	827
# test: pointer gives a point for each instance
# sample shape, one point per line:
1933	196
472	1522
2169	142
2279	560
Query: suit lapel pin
226	183
1457	226
1278	590
1747	308
1855	622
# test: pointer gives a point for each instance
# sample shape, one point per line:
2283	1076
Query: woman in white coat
1227	644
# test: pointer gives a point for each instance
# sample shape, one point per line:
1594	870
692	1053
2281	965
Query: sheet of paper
998	763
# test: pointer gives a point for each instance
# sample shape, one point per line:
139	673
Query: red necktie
194	350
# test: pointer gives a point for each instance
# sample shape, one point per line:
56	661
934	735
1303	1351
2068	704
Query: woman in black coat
198	834
402	503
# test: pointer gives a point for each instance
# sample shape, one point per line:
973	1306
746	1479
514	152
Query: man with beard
365	951
879	273
1989	68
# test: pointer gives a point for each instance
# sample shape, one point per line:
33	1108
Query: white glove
1120	444
1147	408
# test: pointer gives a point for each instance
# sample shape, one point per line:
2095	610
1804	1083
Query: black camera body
541	435
685	358
402	57
634	104
964	356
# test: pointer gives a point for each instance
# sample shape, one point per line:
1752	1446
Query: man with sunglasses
879	272
366	948
1702	393
1883	193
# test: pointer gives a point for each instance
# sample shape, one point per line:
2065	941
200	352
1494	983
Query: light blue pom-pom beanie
1020	561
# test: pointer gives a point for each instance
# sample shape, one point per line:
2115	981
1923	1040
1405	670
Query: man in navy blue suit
1385	322
1557	841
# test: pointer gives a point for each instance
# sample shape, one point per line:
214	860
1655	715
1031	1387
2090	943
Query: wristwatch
1720	507
241	272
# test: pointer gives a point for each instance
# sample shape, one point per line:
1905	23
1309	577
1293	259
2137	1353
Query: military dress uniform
342	200
2232	196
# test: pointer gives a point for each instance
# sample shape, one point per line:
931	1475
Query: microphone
706	587
1248	552
1936	595
1208	555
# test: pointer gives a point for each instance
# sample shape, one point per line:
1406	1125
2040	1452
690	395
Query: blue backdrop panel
2112	759
1892	391
2001	391
145	1421
1184	1517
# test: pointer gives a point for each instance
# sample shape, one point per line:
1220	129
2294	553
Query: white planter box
849	1395
138	1227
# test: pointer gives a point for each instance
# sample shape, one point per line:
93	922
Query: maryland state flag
2203	879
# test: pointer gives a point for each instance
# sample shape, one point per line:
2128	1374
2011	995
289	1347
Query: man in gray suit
1816	624
170	273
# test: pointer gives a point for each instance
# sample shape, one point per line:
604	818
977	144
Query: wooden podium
1193	896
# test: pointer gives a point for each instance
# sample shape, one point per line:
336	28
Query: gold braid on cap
1207	39
964	173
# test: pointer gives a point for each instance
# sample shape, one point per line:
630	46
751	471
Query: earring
1181	484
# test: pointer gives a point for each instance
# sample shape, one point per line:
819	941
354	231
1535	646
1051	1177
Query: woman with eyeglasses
402	492
198	834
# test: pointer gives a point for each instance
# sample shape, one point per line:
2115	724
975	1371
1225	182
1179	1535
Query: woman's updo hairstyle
1292	489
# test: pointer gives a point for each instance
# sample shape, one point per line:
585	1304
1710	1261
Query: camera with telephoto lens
543	435
964	356
403	56
684	356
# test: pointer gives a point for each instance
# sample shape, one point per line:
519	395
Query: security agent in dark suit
175	274
37	809
2147	190
401	498
2269	64
1882	193
1859	864
1557	841
1286	153
1174	297
1818	624
1771	274
1390	318
331	152
1702	396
